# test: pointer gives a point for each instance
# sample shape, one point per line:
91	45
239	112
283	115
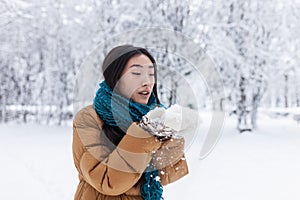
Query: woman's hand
154	123
170	152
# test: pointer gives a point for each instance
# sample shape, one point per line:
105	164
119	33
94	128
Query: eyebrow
136	65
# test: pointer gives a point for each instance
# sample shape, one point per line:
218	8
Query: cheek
127	86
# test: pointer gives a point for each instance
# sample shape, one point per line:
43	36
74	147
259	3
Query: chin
141	101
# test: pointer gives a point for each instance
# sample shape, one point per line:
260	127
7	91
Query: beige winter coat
107	172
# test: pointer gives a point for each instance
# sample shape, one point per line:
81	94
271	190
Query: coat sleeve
174	172
111	171
170	160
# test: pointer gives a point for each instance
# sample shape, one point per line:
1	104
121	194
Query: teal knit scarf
120	112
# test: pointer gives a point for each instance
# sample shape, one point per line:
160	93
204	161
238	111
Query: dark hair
113	66
116	60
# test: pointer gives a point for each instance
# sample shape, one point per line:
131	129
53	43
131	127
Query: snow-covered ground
36	163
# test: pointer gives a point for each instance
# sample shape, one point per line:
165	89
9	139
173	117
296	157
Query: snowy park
240	59
264	164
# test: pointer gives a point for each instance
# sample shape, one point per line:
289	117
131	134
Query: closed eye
135	73
151	74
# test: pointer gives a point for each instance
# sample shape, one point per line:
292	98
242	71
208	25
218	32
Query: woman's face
137	80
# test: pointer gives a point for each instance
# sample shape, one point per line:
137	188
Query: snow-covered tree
255	45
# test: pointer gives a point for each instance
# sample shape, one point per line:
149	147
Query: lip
144	93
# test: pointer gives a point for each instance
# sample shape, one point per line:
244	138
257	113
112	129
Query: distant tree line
255	45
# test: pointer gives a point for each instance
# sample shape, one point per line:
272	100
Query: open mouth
144	93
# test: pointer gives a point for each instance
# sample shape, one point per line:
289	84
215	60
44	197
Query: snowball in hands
176	117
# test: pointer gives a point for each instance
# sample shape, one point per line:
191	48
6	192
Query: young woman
115	154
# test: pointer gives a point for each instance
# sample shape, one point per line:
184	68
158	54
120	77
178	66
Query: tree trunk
242	112
255	103
3	111
286	89
297	95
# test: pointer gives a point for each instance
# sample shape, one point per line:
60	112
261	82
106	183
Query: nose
146	83
146	80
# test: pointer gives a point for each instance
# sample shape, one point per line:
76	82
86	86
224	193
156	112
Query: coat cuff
137	140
